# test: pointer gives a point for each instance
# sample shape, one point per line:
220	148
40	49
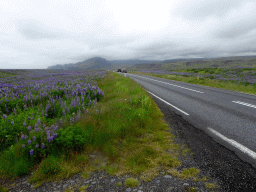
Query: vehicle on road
124	71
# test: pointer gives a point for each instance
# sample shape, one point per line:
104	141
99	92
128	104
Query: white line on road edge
169	104
235	144
246	104
172	84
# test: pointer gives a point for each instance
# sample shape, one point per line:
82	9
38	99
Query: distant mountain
133	62
89	64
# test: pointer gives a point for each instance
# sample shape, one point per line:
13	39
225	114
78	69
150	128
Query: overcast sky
38	34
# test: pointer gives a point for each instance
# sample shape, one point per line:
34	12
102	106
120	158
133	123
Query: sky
39	34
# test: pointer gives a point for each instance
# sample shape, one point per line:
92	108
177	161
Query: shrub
72	137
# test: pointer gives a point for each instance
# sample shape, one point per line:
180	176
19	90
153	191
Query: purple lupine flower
55	135
12	122
36	130
28	118
42	146
31	152
56	128
46	129
23	145
29	142
26	136
22	137
38	121
37	145
93	102
43	125
29	128
34	138
24	124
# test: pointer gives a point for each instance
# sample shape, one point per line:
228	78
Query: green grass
204	81
129	137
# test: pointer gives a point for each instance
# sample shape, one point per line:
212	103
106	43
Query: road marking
246	104
171	84
169	104
235	144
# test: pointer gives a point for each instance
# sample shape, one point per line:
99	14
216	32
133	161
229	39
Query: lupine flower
22	137
28	118
4	116
12	122
29	142
34	138
36	130
38	121
37	145
55	128
42	146
29	128
24	124
43	125
31	152
23	145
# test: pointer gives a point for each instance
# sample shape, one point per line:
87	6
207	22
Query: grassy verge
127	132
205	81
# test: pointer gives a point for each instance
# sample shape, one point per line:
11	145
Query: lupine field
245	76
34	104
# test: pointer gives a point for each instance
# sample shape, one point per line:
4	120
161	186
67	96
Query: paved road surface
227	117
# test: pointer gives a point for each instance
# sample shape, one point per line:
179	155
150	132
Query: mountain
89	64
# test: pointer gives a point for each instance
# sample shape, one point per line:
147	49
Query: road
228	117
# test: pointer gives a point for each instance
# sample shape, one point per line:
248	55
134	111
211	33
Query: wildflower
28	118
42	146
43	125
37	145
4	116
29	142
29	128
46	129
24	123
23	145
36	130
31	152
22	137
34	138
38	121
12	122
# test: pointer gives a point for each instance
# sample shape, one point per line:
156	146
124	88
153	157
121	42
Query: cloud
33	31
40	34
201	9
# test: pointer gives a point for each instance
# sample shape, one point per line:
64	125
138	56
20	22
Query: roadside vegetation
240	79
53	136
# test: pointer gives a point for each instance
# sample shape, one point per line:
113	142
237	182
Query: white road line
246	104
235	144
169	104
171	84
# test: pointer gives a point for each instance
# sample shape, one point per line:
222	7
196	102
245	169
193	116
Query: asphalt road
214	118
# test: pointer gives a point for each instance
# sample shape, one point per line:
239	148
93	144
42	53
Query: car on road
124	71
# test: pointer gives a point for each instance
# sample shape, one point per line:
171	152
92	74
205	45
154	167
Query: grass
129	137
204	81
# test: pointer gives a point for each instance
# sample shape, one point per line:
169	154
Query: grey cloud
32	30
202	9
236	29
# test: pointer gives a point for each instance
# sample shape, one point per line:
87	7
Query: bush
73	137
